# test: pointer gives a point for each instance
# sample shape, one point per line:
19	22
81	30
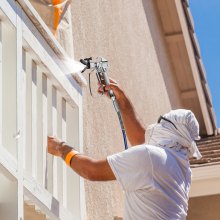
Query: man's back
156	182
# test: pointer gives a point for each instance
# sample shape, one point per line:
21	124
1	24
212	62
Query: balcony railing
37	100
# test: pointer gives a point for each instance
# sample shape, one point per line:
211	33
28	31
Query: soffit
188	77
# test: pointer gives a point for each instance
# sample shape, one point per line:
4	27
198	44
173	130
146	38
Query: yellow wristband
70	155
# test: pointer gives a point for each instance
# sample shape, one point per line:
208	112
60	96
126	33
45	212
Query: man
156	176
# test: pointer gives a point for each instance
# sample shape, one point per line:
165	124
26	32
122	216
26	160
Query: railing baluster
73	183
9	88
54	120
39	126
25	109
49	180
44	128
28	142
1	84
34	119
59	160
64	165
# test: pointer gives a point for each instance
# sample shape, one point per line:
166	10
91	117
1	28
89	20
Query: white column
49	165
9	87
73	183
40	151
34	118
64	165
44	127
59	171
54	122
28	111
20	113
1	83
82	187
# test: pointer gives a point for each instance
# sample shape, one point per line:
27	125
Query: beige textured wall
204	208
119	31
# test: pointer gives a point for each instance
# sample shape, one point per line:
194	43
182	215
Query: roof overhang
189	72
205	181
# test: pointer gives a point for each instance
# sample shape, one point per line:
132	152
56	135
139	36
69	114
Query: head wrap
182	136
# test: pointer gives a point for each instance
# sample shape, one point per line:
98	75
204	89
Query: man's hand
114	86
54	145
58	148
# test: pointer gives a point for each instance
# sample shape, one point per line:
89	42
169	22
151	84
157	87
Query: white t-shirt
155	181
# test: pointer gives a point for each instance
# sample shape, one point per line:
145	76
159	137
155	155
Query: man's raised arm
133	125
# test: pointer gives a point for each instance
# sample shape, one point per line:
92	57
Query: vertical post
34	119
40	151
82	187
54	120
64	165
59	171
20	113
1	84
49	179
44	128
24	107
28	117
73	184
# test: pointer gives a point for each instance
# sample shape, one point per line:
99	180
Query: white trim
205	181
1	72
54	123
194	67
34	117
47	203
59	170
51	40
40	151
82	187
52	68
63	124
45	127
49	162
207	172
8	162
20	110
45	57
11	15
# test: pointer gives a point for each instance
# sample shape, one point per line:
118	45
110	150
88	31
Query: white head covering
182	137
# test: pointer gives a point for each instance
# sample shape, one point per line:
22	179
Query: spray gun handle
107	82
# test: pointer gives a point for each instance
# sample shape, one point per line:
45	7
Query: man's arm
133	125
86	167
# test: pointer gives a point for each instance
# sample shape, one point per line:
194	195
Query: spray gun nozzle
86	62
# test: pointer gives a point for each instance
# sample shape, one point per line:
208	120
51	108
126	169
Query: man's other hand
54	146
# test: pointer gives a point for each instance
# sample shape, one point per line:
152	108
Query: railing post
49	169
28	111
20	103
64	165
59	160
1	72
54	123
34	118
44	128
40	151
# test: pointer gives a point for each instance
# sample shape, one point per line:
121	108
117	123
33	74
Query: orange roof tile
210	149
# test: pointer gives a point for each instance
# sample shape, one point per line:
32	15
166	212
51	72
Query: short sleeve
132	168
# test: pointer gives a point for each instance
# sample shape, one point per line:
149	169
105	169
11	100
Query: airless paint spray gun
100	65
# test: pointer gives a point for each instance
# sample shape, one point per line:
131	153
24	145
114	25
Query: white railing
37	100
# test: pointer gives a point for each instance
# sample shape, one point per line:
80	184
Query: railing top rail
51	40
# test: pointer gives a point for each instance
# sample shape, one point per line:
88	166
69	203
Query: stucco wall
120	32
203	208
